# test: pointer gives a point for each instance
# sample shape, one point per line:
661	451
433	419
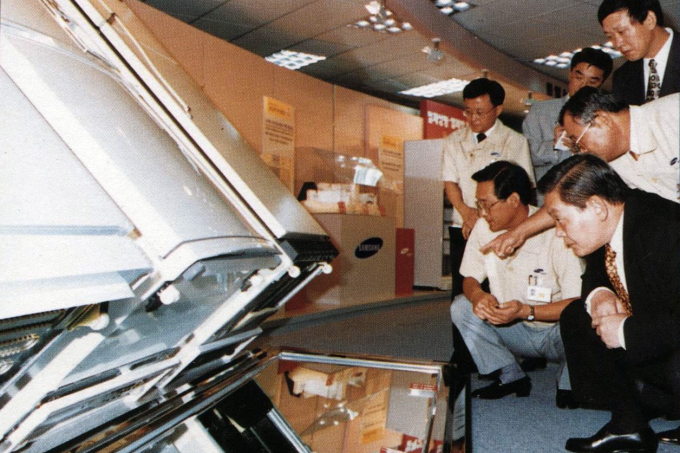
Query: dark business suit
607	377
629	80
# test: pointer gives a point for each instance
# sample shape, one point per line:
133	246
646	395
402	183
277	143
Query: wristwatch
532	314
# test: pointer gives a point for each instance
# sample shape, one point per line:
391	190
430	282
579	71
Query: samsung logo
368	248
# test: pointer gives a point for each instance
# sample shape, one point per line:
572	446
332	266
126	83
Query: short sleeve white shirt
543	254
652	165
463	156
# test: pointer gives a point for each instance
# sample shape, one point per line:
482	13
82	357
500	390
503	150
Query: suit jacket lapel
638	79
671	76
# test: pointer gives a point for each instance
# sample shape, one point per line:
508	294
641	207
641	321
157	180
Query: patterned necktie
612	273
653	83
480	137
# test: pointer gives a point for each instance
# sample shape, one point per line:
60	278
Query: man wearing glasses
527	292
589	67
639	142
483	140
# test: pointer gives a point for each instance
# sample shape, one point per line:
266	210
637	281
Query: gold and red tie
612	273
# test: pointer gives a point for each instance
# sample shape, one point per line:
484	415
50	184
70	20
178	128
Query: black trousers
456	249
606	379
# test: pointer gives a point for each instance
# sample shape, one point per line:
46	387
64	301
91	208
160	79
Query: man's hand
484	306
506	312
607	327
505	244
557	133
470	217
604	303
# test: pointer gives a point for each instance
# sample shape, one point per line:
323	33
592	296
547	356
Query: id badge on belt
536	291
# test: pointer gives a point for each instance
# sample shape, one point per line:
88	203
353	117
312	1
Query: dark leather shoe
520	387
603	441
565	399
670	437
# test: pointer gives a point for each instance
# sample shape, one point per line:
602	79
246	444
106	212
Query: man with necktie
622	340
635	28
485	139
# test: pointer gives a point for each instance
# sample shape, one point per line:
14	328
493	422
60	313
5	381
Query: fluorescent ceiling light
437	89
564	58
293	60
451	7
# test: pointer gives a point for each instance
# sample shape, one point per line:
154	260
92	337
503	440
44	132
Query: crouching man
529	290
622	339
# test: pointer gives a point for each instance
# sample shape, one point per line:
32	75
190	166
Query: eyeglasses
470	114
483	206
575	148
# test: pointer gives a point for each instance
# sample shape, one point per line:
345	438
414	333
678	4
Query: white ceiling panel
353	37
186	10
378	63
224	30
244	15
330	68
320	47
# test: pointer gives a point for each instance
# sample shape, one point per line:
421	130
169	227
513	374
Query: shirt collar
661	57
616	242
489	131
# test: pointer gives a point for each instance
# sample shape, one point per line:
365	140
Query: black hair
587	101
637	9
582	176
594	57
480	87
507	178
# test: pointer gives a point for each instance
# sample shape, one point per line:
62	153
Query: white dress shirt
661	59
616	243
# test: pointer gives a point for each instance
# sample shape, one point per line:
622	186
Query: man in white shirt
623	343
485	139
640	142
635	27
527	292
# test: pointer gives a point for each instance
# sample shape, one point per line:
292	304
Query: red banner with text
440	119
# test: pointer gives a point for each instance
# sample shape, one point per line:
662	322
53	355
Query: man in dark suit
635	27
622	341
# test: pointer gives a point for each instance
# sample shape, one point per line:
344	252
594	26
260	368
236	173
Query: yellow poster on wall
391	161
278	140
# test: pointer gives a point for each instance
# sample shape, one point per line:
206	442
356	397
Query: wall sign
440	119
368	248
278	139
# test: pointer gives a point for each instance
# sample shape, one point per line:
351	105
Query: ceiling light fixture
433	53
563	60
293	60
437	89
381	20
451	7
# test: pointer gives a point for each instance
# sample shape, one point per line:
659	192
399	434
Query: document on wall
391	161
278	140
